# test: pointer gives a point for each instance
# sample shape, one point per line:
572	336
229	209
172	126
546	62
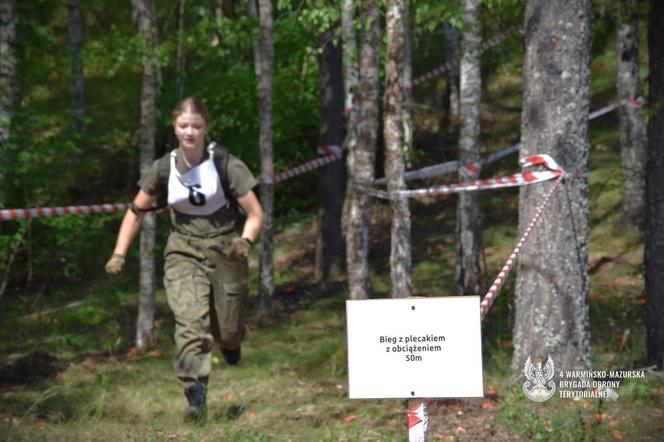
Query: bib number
196	198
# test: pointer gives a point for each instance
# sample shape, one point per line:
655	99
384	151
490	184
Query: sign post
414	348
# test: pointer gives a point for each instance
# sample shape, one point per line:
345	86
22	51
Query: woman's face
190	129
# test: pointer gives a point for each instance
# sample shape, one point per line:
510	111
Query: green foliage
430	15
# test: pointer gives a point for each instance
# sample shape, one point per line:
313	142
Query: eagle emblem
538	378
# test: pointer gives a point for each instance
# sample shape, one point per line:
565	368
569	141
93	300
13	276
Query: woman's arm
131	223
254	211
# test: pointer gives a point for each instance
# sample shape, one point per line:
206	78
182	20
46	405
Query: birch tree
393	133
364	154
468	276
329	243
632	127
351	85
267	157
654	242
552	284
76	56
451	35
144	14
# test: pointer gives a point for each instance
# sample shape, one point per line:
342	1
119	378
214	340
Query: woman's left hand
239	247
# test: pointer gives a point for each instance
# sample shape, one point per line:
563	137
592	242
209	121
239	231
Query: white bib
197	192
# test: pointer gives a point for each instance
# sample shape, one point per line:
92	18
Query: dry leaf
350	418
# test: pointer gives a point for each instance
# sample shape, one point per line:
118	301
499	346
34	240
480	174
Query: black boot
197	409
232	357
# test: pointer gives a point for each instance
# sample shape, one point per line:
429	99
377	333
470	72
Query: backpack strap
220	159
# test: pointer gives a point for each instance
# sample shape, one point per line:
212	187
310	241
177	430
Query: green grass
291	383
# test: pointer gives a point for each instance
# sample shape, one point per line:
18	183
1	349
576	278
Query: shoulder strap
221	163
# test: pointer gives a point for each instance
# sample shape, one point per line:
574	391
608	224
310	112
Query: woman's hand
115	265
239	247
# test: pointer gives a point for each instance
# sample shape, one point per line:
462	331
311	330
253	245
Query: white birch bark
394	134
267	156
144	14
468	277
351	86
362	171
452	52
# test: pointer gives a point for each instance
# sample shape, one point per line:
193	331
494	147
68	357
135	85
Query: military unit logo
538	378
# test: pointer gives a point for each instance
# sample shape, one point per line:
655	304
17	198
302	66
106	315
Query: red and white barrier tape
453	166
488	44
519	179
334	153
493	291
42	212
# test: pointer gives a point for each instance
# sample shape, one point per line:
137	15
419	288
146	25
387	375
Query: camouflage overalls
206	289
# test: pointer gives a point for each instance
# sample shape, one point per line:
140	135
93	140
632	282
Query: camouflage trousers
207	291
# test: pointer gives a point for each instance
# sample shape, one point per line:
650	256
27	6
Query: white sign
414	348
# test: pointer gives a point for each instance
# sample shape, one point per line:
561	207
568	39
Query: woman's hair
192	105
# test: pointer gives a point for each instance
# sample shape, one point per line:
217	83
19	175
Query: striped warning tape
493	291
440	70
519	179
42	212
333	153
453	166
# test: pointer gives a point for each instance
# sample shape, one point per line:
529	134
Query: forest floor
68	370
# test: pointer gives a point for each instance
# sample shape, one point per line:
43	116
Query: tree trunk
362	171
77	75
181	51
468	276
393	132
267	162
453	77
654	244
632	127
329	243
252	11
8	22
351	87
144	13
407	84
552	284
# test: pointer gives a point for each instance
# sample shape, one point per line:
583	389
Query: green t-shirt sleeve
241	180
149	182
